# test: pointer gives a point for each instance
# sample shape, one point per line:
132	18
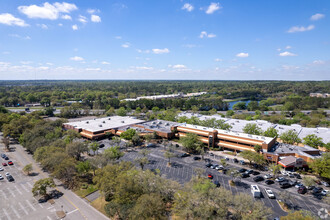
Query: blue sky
168	39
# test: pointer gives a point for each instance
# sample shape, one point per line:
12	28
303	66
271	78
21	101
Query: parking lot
182	170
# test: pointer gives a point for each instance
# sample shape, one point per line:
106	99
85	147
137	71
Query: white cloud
204	34
144	68
76	58
60	24
288	47
20	37
317	16
47	10
118	37
74	27
300	28
43	26
143	51
160	51
218	60
242	55
318	62
82	19
95	18
50	64
179	66
189	45
213	7
93	69
287	54
92	11
43	67
66	17
126	45
187	7
105	63
26	62
9	19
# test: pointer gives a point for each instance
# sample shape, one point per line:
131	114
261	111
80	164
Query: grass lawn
99	204
84	192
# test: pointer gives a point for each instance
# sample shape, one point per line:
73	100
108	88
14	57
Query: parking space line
4	211
48	218
16	213
22	185
31	206
71	212
22	207
19	191
29	184
11	192
3	193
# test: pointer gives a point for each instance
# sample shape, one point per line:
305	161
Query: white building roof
101	124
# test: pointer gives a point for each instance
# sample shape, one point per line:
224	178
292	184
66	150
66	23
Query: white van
255	191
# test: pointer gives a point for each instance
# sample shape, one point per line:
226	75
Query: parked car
285	185
270	194
10	178
208	165
7	174
280	179
249	171
10	162
1	177
210	176
224	170
242	170
298	185
235	160
1	169
245	175
4	164
258	178
3	155
185	155
242	162
255	173
6	158
297	175
216	183
101	146
196	158
302	190
284	173
268	176
325	192
268	182
310	187
226	158
211	154
325	184
317	190
220	167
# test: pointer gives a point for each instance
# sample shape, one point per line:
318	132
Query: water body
231	104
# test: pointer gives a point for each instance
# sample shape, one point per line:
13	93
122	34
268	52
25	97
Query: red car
210	176
4	164
10	162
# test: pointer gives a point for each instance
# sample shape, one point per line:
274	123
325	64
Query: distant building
319	95
155	97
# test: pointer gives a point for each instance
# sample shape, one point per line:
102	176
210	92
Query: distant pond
231	104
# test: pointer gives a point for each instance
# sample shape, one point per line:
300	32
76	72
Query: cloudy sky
165	39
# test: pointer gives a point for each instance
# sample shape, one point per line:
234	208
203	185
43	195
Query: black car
302	190
235	160
317	190
249	171
255	173
196	158
10	178
224	170
6	158
297	175
208	165
285	185
185	155
258	178
3	155
216	183
268	182
101	146
245	175
242	170
310	187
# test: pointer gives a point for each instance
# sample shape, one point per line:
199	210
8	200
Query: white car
325	192
325	184
284	173
268	176
1	177
7	174
270	194
1	169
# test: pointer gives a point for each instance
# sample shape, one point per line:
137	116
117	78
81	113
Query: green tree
239	106
94	146
136	139
290	137
149	206
75	149
308	181
257	148
128	134
28	168
121	111
252	128
299	215
40	187
285	196
83	167
169	154
230	113
142	161
252	106
271	132
66	171
321	165
275	169
191	142
313	141
113	153
6	143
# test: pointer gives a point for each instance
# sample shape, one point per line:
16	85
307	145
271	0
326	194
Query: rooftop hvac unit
87	122
122	121
100	125
160	122
154	122
103	122
167	124
109	118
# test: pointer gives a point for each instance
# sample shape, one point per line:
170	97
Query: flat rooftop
159	125
281	148
102	124
267	140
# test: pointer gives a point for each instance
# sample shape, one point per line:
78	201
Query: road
17	201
